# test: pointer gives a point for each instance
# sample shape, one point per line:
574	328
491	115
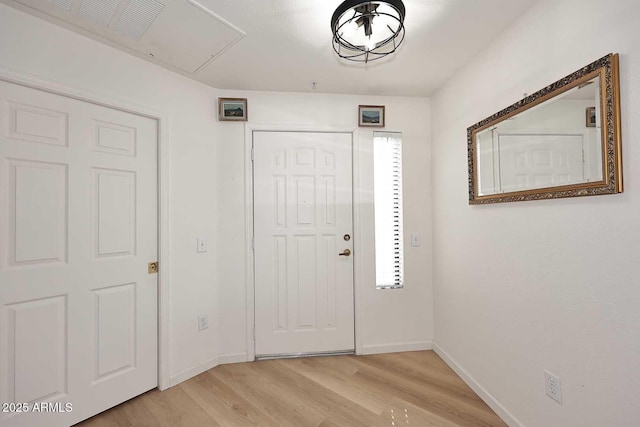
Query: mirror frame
607	69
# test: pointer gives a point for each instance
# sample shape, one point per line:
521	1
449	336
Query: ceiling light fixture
364	31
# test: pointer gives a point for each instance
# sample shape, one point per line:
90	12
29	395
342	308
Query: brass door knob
346	252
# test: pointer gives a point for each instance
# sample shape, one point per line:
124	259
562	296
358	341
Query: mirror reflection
562	141
555	143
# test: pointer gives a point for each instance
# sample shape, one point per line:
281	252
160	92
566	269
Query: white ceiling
287	43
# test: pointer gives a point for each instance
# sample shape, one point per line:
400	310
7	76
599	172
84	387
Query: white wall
391	319
554	285
30	45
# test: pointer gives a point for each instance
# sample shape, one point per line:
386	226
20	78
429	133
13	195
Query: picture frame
371	116
591	117
232	109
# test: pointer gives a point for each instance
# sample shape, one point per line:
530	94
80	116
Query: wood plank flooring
399	389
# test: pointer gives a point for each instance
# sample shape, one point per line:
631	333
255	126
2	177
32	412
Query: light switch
415	240
202	244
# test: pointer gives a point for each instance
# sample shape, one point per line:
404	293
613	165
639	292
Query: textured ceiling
287	45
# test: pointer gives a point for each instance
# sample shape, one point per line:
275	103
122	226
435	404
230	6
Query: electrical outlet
552	386
203	322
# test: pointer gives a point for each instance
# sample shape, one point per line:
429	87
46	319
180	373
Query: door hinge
252	154
253	243
153	267
254	333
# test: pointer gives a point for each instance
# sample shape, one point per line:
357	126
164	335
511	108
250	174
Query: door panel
78	225
36	187
303	209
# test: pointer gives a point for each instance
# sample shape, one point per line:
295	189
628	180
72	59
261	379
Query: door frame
28	80
250	283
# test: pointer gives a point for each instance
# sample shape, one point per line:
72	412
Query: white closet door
78	221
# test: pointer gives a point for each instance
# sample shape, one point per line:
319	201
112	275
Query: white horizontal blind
387	182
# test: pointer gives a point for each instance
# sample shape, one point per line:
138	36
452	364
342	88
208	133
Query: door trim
26	79
250	284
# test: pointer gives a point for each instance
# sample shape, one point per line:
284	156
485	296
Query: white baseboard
225	359
487	397
192	372
397	347
222	359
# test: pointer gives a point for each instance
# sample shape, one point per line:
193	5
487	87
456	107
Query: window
387	184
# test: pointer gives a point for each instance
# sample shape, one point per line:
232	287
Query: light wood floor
415	388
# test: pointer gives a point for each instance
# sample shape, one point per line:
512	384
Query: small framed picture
371	116
232	109
591	117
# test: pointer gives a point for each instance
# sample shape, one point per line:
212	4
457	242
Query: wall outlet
552	386
203	322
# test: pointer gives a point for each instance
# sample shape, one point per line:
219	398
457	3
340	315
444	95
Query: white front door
78	225
302	225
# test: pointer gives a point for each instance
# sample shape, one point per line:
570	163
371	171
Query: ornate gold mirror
562	141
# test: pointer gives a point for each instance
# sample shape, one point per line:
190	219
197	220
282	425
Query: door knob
346	252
